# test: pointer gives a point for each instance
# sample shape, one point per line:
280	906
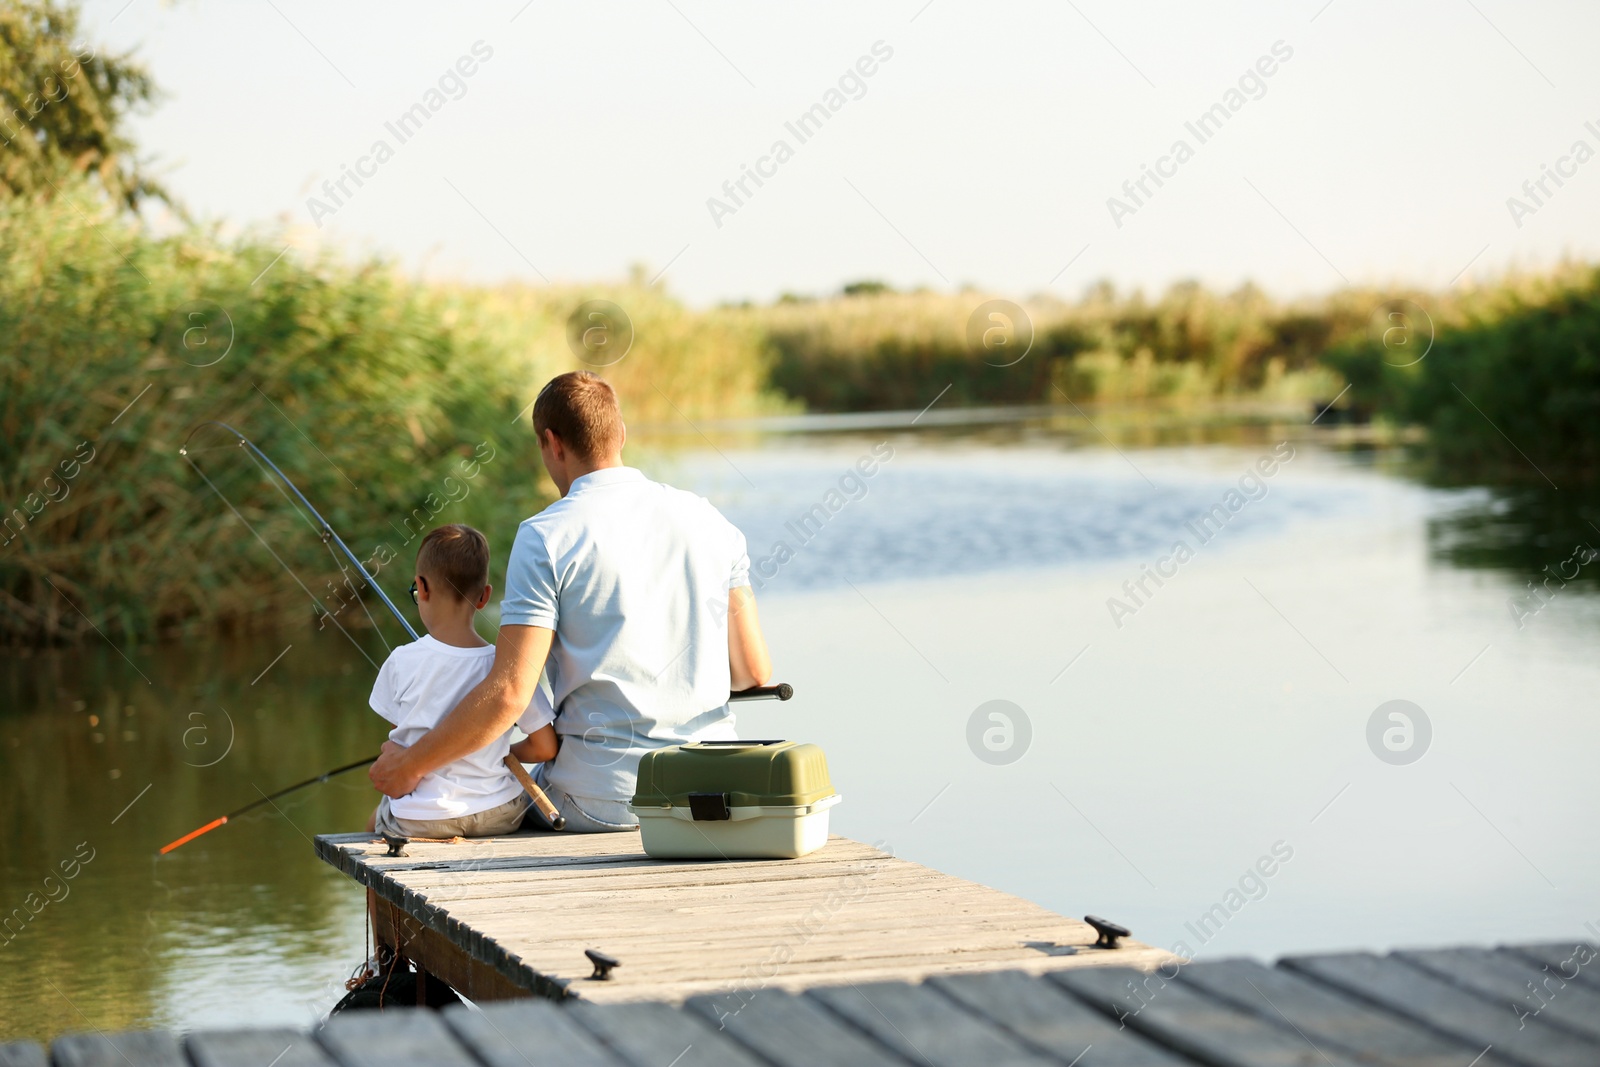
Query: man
633	595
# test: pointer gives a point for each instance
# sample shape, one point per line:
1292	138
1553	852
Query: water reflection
240	926
1529	532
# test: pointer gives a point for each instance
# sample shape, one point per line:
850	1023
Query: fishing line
324	530
327	532
322	536
281	563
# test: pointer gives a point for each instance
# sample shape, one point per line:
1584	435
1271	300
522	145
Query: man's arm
483	715
748	661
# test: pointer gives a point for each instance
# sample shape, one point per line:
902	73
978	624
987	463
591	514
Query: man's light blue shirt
633	576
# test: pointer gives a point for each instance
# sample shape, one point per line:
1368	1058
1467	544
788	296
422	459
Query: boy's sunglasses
424	582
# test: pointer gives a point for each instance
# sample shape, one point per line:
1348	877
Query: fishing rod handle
781	691
540	800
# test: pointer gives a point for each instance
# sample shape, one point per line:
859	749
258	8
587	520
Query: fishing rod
782	691
327	533
266	799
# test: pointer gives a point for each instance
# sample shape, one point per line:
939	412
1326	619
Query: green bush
1511	390
353	380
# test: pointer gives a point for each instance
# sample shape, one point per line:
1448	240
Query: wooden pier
1455	1008
508	917
851	957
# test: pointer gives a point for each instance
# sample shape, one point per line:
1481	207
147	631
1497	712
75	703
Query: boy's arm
482	717
540	746
748	661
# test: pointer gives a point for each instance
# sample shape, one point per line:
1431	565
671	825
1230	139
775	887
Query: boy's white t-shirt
417	686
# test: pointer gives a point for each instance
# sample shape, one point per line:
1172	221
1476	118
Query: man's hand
391	774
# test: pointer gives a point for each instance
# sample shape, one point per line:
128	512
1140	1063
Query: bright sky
982	151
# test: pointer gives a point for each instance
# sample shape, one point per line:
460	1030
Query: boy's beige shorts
505	819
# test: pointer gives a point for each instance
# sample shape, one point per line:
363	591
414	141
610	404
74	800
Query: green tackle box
734	800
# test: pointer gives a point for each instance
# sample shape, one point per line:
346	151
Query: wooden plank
353	853
600	889
1045	1018
642	873
1330	1018
1038	935
1519	985
22	1054
506	865
415	1037
799	974
1404	990
924	1027
155	1048
255	1048
654	1035
1170	1013
587	919
755	929
527	1033
788	1030
817	900
1574	961
892	971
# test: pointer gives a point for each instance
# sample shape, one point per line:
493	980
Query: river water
1017	673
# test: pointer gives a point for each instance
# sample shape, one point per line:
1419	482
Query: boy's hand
538	747
390	774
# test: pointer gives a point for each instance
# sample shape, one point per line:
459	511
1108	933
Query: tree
62	106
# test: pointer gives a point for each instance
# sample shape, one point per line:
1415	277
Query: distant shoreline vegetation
1505	376
372	389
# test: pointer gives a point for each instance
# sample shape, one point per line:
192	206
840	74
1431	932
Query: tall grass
376	394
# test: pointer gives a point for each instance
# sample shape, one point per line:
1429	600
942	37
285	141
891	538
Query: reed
377	394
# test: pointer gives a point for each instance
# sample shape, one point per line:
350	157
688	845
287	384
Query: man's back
633	577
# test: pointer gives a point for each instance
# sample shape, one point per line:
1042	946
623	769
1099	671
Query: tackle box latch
709	807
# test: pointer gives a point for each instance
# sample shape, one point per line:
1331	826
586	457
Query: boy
476	796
